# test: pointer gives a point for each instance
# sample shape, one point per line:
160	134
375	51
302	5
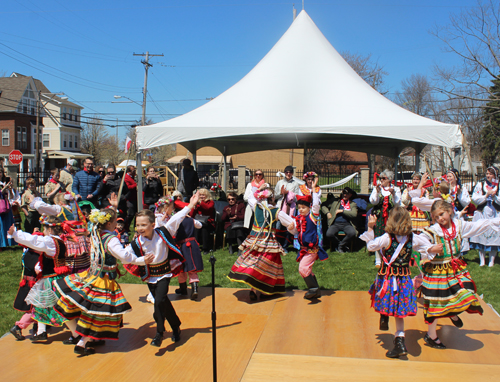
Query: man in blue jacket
87	183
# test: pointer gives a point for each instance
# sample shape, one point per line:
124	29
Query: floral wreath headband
43	221
264	194
308	174
164	202
101	217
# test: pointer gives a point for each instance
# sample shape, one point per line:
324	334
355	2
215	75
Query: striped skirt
259	265
78	254
448	290
99	306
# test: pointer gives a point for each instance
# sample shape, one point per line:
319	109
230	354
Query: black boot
399	348
182	290
157	340
231	249
313	286
194	291
384	322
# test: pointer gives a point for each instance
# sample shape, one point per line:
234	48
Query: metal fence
41	177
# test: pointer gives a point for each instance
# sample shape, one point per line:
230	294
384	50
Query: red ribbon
375	177
385	209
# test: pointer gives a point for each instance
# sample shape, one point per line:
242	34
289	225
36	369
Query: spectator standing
132	195
204	212
341	215
111	184
32	215
188	180
87	182
54	186
67	173
285	192
152	188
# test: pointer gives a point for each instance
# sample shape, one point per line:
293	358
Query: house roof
12	89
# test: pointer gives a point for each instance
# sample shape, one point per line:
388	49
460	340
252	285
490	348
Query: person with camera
233	217
111	184
152	188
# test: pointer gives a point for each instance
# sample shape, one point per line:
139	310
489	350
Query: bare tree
474	36
94	138
367	69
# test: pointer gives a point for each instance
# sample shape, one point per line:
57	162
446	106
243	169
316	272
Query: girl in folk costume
185	240
419	219
392	293
459	194
29	277
257	184
92	303
304	227
50	267
259	264
487	200
448	288
67	210
167	263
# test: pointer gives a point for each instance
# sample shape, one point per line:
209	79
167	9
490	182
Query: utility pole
143	122
37	149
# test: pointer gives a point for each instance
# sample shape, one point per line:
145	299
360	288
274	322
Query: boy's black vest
160	269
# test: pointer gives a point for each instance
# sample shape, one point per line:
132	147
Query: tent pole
224	178
418	150
396	171
195	163
139	180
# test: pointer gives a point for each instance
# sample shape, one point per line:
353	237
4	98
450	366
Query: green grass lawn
351	271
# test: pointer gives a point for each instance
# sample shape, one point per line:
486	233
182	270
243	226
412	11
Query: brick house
59	123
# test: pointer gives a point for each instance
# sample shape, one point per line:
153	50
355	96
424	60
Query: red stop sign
15	157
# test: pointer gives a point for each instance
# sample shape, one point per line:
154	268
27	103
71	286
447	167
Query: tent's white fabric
301	92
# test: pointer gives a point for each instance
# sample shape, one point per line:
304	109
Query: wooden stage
281	339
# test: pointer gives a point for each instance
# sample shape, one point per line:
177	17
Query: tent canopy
301	94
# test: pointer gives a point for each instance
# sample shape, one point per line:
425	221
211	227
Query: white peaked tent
301	94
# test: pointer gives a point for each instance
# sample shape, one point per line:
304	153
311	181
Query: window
70	141
76	115
33	107
25	106
64	113
70	114
19	140
46	140
5	138
76	141
65	140
25	138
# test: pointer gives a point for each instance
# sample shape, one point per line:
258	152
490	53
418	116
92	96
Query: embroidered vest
54	266
451	248
401	265
160	269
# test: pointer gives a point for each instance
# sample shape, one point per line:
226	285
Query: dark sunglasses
228	199
288	172
383	178
258	173
110	172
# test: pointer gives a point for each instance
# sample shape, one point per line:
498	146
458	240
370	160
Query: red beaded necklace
447	235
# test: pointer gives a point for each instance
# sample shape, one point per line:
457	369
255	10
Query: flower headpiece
164	202
310	173
264	194
101	217
43	221
69	196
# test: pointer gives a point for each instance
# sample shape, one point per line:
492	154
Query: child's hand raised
372	221
113	200
315	182
194	200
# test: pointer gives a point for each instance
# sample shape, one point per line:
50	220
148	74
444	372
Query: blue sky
85	49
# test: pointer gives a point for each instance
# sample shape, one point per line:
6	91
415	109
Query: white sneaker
150	298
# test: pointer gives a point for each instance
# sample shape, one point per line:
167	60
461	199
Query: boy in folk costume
304	227
166	264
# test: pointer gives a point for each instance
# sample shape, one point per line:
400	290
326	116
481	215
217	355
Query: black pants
202	236
235	235
164	309
350	233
